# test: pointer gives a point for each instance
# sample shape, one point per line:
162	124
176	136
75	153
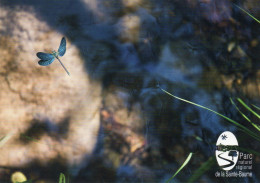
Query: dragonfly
48	58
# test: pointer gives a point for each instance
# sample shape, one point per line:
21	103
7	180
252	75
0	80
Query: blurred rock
123	120
47	96
135	174
140	25
250	87
215	11
183	31
129	28
132	4
18	177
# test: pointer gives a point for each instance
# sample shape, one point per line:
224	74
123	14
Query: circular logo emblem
226	150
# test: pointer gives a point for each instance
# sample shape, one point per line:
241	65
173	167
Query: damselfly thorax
55	53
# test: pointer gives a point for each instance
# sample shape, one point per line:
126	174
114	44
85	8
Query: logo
226	150
228	157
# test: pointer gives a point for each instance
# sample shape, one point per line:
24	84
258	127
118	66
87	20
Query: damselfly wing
62	48
46	58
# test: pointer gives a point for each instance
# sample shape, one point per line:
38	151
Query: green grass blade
198	138
233	103
202	169
182	166
62	178
248	108
254	125
29	138
247	13
256	106
243	128
4	139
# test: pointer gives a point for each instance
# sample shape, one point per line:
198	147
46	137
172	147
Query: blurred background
109	121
